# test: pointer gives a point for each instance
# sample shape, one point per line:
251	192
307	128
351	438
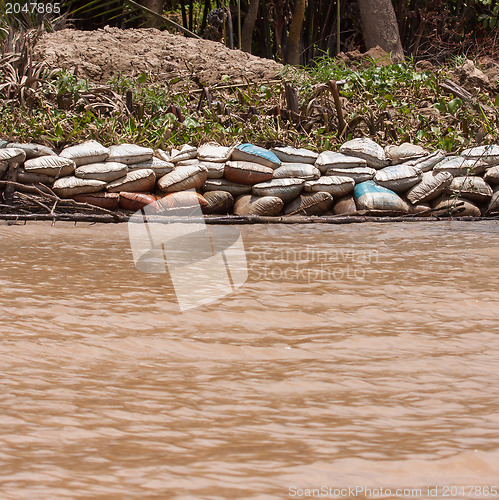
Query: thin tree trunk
380	27
249	25
156	6
293	51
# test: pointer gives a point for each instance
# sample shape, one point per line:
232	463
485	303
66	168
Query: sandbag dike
247	183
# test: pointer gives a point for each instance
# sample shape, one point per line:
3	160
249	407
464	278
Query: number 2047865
32	8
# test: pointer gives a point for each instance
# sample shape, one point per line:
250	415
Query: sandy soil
102	54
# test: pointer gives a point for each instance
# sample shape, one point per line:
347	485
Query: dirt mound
102	54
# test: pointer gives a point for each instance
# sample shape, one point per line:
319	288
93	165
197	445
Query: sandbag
297	171
159	167
426	163
213	152
136	201
255	154
398	178
404	152
330	159
233	188
493	206
286	189
245	172
24	177
67	187
186	152
85	153
181	199
431	185
53	166
492	175
33	150
447	206
358	174
309	204
421	209
129	153
472	188
289	154
378	199
218	202
187	163
248	204
344	205
367	149
215	170
134	182
488	154
106	171
459	166
335	185
109	201
183	178
11	155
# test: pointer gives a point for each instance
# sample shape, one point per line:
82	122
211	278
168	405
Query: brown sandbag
28	178
137	181
135	201
345	205
110	201
219	202
493	206
472	188
248	204
455	207
422	209
233	188
309	204
181	199
246	172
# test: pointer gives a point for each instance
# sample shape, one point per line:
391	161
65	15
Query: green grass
390	104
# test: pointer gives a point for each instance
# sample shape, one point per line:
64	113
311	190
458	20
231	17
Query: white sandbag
255	154
404	152
431	186
134	182
215	170
488	154
129	153
289	154
106	171
66	187
472	188
378	199
186	152
248	204
297	171
366	148
459	166
426	163
309	204
213	152
53	166
234	188
183	178
286	189
85	153
398	178
33	150
335	185
14	155
492	175
358	174
330	159
159	167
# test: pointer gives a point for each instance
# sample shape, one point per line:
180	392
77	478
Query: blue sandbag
374	198
255	154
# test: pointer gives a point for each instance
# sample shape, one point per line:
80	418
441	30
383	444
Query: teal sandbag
256	154
374	198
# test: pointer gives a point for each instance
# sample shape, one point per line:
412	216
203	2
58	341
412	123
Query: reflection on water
353	355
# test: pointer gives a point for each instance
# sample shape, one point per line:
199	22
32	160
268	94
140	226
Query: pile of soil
104	53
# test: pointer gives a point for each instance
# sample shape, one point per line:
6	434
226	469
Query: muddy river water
362	356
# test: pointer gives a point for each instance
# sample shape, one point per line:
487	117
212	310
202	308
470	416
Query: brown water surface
354	355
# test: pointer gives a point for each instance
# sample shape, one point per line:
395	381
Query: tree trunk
293	51
249	25
156	6
380	27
